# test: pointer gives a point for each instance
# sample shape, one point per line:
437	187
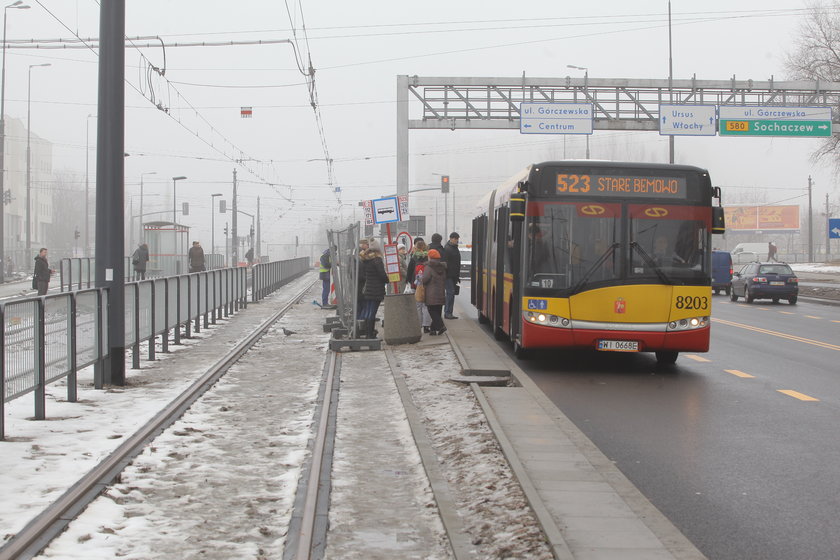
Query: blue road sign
834	228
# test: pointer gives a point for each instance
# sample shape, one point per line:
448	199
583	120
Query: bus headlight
546	319
688	324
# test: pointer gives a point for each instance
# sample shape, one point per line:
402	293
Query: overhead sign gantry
617	104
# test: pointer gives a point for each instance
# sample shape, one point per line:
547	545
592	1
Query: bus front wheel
666	357
519	352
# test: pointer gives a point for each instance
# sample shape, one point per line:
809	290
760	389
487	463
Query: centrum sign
555	118
775	121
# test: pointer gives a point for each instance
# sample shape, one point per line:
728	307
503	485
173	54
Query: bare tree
816	56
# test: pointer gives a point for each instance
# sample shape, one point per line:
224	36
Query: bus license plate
618	345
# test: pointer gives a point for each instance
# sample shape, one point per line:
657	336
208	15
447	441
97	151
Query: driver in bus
661	253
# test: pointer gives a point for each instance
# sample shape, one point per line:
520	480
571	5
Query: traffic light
222	207
226	229
185	208
7	196
444	183
252	230
76	234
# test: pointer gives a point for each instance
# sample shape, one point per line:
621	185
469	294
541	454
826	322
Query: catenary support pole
110	188
810	224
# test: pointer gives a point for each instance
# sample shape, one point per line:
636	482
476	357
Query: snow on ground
381	504
815	267
41	459
490	500
219	483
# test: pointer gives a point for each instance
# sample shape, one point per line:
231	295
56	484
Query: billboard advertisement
762	218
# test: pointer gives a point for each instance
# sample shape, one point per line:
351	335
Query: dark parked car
763	280
721	271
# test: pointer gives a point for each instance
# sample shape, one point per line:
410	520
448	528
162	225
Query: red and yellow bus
603	255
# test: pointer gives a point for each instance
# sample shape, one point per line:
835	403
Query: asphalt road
743	469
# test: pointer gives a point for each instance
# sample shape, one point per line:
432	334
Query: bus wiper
652	263
595	266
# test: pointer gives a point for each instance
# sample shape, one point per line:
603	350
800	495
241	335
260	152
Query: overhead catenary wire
239	157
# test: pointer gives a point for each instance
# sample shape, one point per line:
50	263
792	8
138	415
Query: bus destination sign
620	186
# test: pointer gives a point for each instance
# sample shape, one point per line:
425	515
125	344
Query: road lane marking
779	334
833	321
739	373
697	358
788	312
813	317
797	395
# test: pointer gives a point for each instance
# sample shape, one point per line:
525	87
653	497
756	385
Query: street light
213	222
29	156
140	236
585	86
19	5
87	182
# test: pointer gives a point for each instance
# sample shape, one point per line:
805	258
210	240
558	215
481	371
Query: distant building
41	194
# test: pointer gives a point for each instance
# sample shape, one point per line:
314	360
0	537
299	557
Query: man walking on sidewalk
41	276
452	258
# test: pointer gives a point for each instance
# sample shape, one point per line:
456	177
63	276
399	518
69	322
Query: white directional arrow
836	231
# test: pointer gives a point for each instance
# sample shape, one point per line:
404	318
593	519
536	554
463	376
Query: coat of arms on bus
620	305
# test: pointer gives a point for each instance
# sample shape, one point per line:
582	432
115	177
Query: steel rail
37	534
306	531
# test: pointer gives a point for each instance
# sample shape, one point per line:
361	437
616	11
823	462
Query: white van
749	252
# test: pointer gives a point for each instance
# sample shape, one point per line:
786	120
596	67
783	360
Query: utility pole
110	187
257	250
810	224
670	83
233	235
827	231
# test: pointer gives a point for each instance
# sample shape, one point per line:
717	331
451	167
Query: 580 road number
688	302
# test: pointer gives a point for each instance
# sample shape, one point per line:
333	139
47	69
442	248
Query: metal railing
47	338
267	277
79	273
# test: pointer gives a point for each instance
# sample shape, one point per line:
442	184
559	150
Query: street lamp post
213	222
174	213
19	5
29	157
586	87
141	202
87	183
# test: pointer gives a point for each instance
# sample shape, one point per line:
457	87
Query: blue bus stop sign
834	228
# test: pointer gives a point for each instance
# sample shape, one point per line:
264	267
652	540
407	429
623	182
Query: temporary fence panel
344	273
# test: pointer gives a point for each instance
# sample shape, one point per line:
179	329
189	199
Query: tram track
38	533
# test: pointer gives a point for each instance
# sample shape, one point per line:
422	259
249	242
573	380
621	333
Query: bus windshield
574	246
570	242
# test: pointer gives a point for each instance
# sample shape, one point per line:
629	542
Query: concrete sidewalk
588	509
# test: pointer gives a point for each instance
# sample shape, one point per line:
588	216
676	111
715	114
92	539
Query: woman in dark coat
374	278
434	280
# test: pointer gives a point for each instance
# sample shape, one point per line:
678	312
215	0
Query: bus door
477	274
513	266
500	242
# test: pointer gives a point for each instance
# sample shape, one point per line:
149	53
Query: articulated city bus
603	255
